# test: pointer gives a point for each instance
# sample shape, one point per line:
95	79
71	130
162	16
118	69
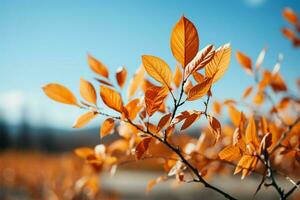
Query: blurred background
48	41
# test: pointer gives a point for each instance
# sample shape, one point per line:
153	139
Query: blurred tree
5	140
24	133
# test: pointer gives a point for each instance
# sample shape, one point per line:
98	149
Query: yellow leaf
244	61
234	115
251	135
157	69
215	127
184	41
200	89
258	98
60	93
142	147
187	86
121	76
220	63
135	82
177	78
230	153
107	127
154	98
202	58
111	98
84	119
97	66
87	91
245	165
133	108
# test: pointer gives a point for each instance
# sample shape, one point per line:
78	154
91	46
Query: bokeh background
48	41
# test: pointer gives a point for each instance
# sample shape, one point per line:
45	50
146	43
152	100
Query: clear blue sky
47	41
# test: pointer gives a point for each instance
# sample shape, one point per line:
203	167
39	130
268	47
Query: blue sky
47	41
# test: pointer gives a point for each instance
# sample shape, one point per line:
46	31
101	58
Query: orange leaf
215	127
247	91
217	107
107	127
177	78
245	165
251	135
163	121
202	58
288	33
84	152
290	16
198	77
245	61
142	147
87	91
154	98
121	76
187	86
200	89
60	93
220	63
97	66
157	69
234	115
184	41
258	98
111	98
277	83
135	82
133	108
84	119
190	120
230	153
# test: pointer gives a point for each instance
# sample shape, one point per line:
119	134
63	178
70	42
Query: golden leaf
184	41
199	90
121	76
111	98
97	66
107	127
202	58
215	127
246	165
187	86
157	69
87	91
84	119
135	82
190	120
198	77
230	153
154	98
244	61
234	115
251	135
60	93
142	147
220	63
133	108
177	78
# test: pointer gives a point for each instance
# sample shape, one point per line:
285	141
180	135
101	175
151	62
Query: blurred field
36	175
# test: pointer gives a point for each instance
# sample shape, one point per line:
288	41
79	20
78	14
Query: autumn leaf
202	58
234	115
187	86
199	90
121	76
247	91
157	69
111	98
184	41
198	77
84	152
163	121
288	33
154	98
142	147
133	108
104	82
60	94
251	135
87	91
177	78
244	61
215	127
220	63
135	82
230	153
190	120
84	119
97	66
290	16
107	127
246	165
